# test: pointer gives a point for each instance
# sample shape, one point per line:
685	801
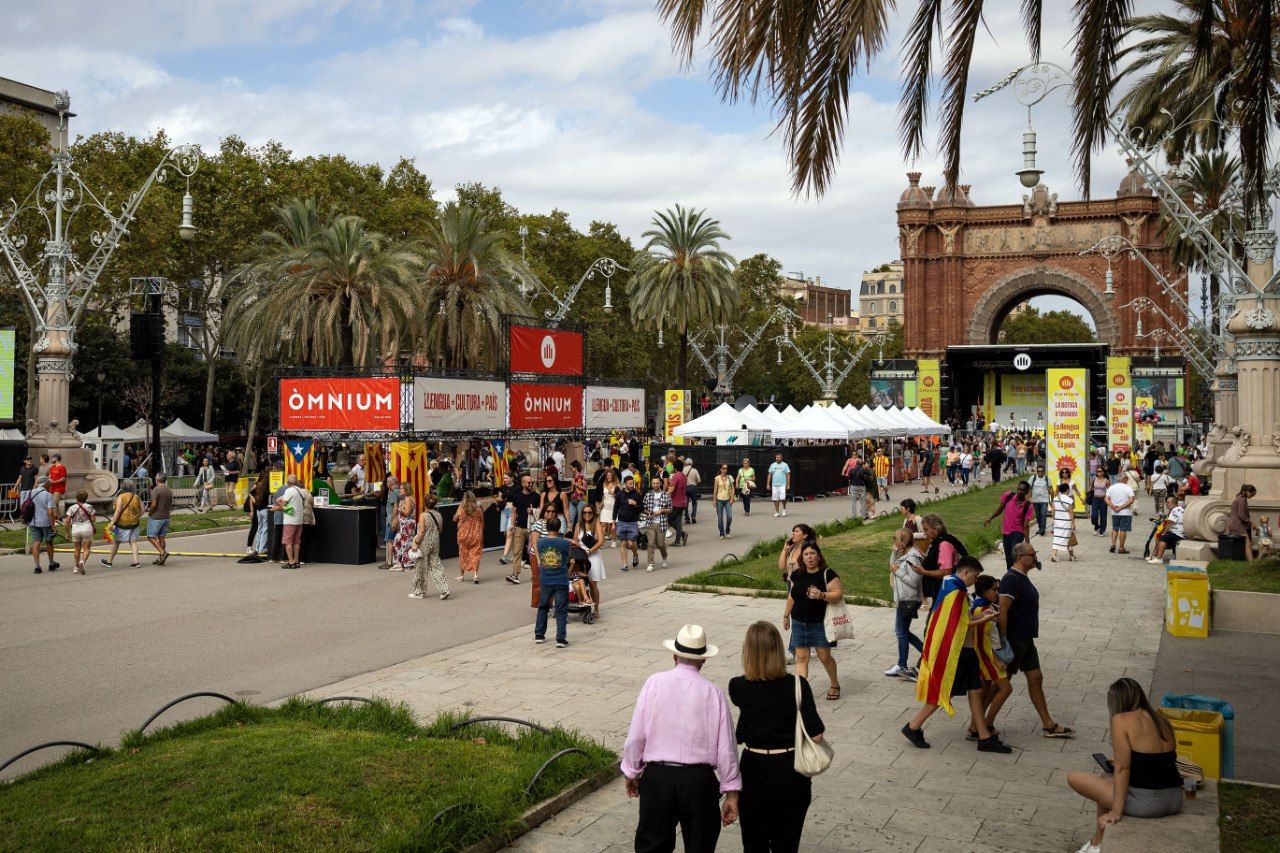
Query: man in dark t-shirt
553	584
26	479
1020	624
523	501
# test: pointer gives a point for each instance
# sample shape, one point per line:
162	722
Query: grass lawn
1248	818
859	552
217	519
300	777
1258	576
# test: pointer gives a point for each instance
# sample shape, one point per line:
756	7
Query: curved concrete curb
547	809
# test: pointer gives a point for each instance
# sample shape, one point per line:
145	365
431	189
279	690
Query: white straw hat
691	644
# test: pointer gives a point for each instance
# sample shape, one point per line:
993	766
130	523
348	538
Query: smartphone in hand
1105	763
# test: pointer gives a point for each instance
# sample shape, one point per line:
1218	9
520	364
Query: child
1264	537
579	574
904	578
950	665
995	682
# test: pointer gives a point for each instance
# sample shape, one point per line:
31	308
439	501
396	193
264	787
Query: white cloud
553	118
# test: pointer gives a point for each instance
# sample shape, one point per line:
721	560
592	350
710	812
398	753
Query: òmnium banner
458	405
550	407
340	404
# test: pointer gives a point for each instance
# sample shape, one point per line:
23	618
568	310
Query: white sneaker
1089	847
895	672
784	513
1155	561
613	543
649	568
664	564
775	515
416	595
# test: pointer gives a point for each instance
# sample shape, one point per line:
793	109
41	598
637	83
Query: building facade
880	299
817	304
22	99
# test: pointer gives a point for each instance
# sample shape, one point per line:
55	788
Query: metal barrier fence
185	495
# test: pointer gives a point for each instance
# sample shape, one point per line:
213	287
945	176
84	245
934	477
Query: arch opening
1043	288
1044	318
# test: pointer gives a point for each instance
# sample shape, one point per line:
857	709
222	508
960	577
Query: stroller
579	593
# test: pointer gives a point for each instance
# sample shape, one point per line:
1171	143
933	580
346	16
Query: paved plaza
87	657
1100	619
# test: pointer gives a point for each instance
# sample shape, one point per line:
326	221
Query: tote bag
811	758
836	623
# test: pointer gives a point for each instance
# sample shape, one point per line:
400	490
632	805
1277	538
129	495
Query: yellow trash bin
1199	737
1186	607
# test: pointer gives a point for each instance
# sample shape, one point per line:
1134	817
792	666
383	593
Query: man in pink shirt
680	754
1016	524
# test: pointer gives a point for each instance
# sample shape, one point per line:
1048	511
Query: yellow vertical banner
375	464
677	413
929	387
988	413
1119	403
409	464
1143	431
1067	441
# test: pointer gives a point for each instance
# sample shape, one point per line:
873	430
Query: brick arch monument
965	266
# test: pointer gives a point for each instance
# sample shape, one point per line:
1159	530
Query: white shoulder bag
836	623
812	758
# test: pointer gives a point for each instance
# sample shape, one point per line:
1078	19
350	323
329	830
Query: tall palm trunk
348	354
210	374
253	413
683	367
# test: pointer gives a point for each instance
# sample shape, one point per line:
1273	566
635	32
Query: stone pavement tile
985	802
826	814
905	776
860	837
542	840
900	796
1021	836
951	828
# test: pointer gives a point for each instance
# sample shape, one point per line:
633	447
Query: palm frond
1099	32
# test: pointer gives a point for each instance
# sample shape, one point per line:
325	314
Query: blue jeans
907	611
724	517
575	507
1098	514
964	475
1042	512
260	536
561	594
1010	540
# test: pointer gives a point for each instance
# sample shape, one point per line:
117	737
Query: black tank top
1154	770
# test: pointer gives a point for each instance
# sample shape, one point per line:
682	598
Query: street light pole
604	267
55	304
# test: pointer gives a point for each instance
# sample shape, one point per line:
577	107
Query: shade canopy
110	432
722	419
179	430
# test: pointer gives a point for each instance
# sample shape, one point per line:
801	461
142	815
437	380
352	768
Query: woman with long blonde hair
470	520
608	494
1144	780
775	798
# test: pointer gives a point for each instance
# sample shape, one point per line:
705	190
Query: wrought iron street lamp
603	267
55	296
723	371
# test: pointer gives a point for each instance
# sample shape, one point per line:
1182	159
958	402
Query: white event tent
724	421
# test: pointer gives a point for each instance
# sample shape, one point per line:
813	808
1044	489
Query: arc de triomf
966	267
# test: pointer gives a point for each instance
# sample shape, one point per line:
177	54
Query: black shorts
1170	540
1025	657
968	675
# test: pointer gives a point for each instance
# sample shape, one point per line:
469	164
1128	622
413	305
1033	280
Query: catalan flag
498	453
989	666
943	641
375	464
299	459
409	464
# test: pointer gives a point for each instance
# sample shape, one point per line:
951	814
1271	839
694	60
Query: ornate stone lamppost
56	291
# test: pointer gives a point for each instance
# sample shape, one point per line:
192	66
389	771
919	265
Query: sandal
1058	731
834	693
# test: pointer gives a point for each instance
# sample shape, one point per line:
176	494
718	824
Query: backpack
29	509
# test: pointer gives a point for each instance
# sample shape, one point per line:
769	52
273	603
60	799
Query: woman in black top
811	588
775	798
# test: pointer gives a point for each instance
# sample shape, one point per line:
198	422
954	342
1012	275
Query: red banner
548	351
545	406
340	404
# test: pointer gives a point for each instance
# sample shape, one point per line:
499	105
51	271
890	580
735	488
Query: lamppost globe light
608	299
1110	292
187	230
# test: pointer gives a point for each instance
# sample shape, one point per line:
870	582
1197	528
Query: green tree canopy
1049	327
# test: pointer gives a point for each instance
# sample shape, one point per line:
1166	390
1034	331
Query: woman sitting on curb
1144	779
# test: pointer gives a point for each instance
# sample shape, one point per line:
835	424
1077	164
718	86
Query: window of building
880	287
871	323
893	288
871	307
893	307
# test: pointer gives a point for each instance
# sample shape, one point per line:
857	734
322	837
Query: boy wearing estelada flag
949	665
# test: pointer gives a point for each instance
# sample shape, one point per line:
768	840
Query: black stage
965	366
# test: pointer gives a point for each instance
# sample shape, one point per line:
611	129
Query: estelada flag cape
943	641
989	666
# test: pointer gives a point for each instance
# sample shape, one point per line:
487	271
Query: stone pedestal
1253	453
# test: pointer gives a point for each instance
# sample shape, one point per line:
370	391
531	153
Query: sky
566	104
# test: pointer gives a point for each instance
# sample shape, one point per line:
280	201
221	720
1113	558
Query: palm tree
474	281
802	56
1204	183
682	278
1182	60
335	289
